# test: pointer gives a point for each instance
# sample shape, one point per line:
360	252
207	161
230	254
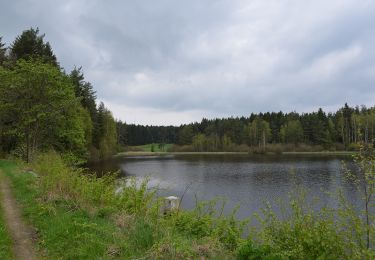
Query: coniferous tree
3	49
106	139
84	90
31	45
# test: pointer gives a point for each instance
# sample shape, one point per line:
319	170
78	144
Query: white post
171	203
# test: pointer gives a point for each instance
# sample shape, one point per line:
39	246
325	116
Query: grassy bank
80	216
349	153
155	149
63	229
140	153
5	240
150	148
323	153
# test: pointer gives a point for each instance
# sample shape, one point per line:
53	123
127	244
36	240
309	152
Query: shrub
305	234
248	251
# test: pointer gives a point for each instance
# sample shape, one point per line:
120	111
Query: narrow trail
20	233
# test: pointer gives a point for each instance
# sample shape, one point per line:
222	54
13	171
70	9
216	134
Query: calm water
247	180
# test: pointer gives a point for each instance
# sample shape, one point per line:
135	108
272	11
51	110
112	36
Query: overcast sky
171	62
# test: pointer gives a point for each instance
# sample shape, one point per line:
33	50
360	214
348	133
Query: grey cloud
182	60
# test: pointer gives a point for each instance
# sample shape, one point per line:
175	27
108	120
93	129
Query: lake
241	179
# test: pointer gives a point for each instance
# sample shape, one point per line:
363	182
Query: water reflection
241	179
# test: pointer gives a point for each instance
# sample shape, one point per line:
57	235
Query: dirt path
21	234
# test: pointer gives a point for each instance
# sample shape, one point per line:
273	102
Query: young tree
107	134
84	91
364	179
38	109
199	143
186	135
258	133
292	132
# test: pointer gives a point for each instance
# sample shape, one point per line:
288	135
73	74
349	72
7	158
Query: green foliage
68	206
258	133
84	91
206	221
212	143
38	109
364	179
3	56
303	235
143	235
248	251
65	203
64	231
148	148
197	227
30	45
330	131
186	135
105	138
41	107
292	132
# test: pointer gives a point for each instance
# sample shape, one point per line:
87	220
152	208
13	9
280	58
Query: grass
78	216
63	230
5	240
151	148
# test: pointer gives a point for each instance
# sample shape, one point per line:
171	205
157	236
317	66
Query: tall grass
72	209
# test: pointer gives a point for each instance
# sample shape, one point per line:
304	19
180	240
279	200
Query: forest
43	107
341	130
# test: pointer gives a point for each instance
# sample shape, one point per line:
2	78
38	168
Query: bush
181	148
354	147
305	234
248	251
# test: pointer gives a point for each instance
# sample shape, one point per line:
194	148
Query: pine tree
3	57
30	45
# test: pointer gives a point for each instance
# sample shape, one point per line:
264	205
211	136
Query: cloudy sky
171	62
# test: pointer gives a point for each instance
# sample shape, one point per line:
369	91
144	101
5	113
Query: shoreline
141	153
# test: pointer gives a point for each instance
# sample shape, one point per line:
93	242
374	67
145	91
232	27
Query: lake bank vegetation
67	206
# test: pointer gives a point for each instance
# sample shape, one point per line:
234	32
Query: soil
21	234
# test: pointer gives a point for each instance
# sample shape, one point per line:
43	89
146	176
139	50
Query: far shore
144	153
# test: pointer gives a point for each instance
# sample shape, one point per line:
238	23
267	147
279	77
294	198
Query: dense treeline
140	134
340	130
42	107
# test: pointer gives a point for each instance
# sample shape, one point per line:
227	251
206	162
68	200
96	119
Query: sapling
364	179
